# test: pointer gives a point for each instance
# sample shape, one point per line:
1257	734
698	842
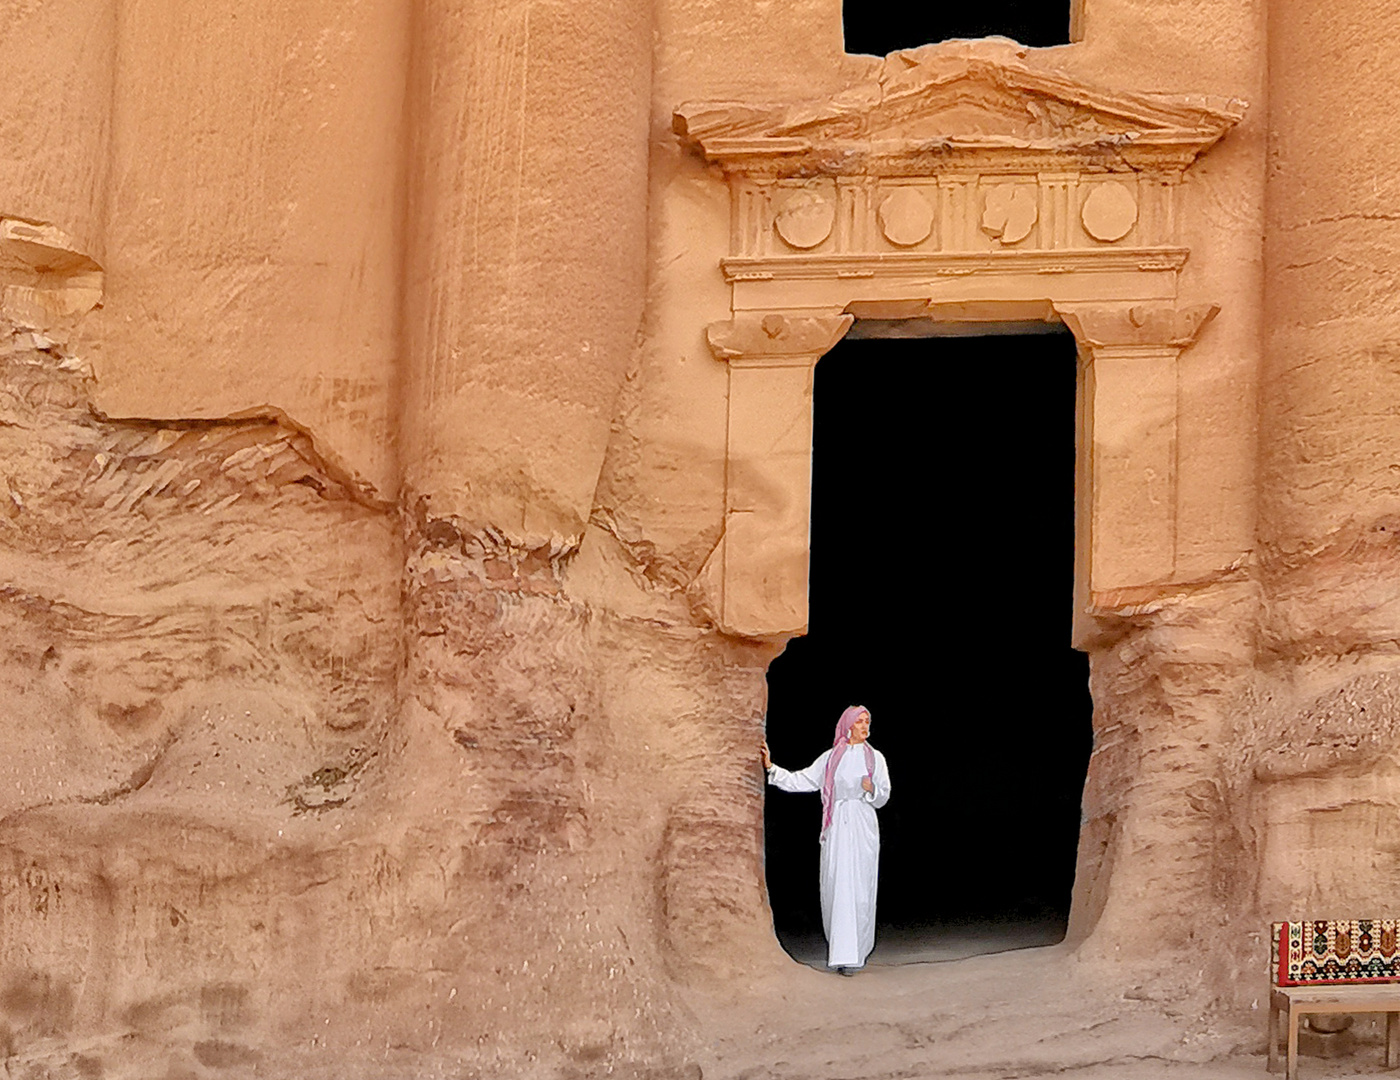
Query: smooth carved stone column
56	98
525	275
1329	443
1127	524
768	483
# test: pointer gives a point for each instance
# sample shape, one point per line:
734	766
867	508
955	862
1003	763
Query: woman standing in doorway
854	782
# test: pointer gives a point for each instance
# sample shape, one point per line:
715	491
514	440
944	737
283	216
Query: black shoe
847	971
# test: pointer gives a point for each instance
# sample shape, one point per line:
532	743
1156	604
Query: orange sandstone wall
1329	468
312	760
57	99
357	693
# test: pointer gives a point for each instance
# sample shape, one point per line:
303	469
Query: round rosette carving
1110	211
805	219
906	218
1009	212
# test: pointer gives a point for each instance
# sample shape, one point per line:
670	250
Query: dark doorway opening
878	29
941	595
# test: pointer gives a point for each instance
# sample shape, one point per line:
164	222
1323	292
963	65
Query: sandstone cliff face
295	680
1327	473
362	473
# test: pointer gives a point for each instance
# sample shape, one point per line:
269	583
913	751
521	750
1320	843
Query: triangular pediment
969	96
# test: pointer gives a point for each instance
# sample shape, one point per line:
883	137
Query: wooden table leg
1293	1016
1392	1026
1273	1037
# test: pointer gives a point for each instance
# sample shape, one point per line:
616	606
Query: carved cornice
943	107
775	340
949	263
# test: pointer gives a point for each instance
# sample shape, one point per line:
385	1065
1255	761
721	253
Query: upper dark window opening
878	29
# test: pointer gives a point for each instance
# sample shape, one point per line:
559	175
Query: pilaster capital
774	340
1136	327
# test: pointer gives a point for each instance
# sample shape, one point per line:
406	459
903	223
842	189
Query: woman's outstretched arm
808	779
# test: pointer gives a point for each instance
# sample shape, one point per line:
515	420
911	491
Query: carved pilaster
762	569
1128	432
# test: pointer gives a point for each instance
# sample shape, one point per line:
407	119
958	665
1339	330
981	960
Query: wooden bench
1333	966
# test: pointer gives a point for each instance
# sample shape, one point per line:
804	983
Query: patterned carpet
1322	952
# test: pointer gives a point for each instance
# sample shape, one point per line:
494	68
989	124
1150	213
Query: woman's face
860	728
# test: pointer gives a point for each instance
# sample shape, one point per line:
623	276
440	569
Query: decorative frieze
952	213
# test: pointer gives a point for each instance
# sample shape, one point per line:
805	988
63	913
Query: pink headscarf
838	748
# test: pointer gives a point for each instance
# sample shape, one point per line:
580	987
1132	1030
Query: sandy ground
1021	1014
928	944
933	1009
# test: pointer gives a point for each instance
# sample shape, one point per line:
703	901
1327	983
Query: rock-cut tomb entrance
941	586
961	189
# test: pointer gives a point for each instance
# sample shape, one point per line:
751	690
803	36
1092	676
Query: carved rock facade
957	188
406	415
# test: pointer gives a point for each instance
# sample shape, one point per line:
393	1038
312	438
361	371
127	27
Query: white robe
850	866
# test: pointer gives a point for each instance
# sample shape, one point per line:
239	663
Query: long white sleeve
880	781
808	779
